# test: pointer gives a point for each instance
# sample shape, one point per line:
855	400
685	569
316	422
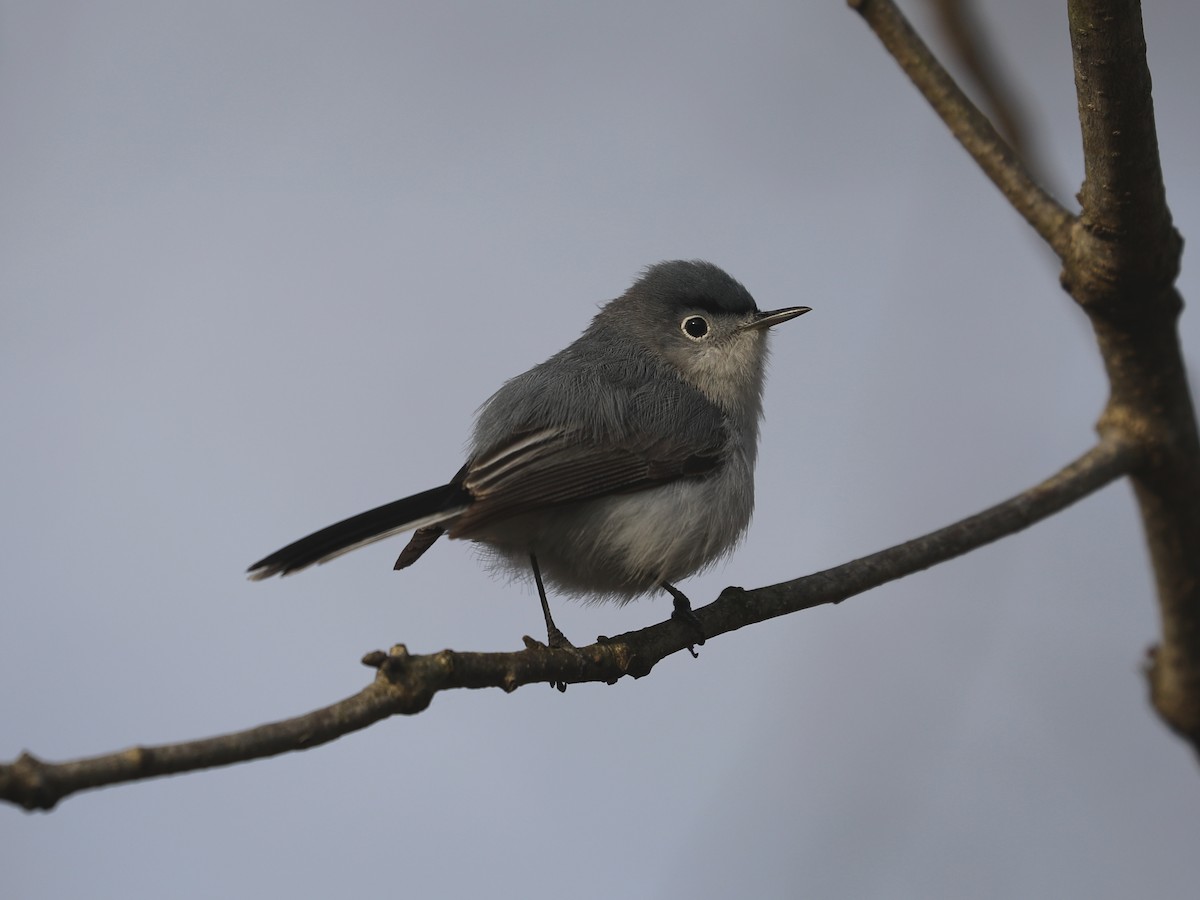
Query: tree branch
1121	268
972	45
406	684
1121	257
970	126
1124	206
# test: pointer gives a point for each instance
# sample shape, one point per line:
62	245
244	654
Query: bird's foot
555	640
684	614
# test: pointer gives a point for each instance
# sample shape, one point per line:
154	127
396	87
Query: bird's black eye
695	327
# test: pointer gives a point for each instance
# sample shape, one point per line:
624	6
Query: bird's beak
774	317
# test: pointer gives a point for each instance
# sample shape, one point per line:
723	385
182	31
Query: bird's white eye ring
695	327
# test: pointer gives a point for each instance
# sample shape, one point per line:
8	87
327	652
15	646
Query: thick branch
1121	269
406	684
1127	242
970	126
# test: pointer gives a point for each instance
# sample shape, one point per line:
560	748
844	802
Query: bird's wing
554	466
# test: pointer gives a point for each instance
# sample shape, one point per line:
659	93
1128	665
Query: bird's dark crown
693	284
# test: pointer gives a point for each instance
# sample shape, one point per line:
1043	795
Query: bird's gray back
605	386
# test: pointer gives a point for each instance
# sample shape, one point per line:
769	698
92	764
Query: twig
971	43
406	684
970	126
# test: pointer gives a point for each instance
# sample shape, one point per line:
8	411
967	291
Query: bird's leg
554	638
683	611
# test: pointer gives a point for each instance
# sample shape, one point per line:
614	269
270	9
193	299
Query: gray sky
259	264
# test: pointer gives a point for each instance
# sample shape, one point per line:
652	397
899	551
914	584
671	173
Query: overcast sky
259	264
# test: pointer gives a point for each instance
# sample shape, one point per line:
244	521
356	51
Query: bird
622	464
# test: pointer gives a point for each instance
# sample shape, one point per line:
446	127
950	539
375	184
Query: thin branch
1115	456
406	684
973	47
970	126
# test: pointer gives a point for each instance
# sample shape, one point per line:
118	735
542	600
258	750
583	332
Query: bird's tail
420	511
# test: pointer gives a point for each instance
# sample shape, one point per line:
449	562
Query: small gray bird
620	465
